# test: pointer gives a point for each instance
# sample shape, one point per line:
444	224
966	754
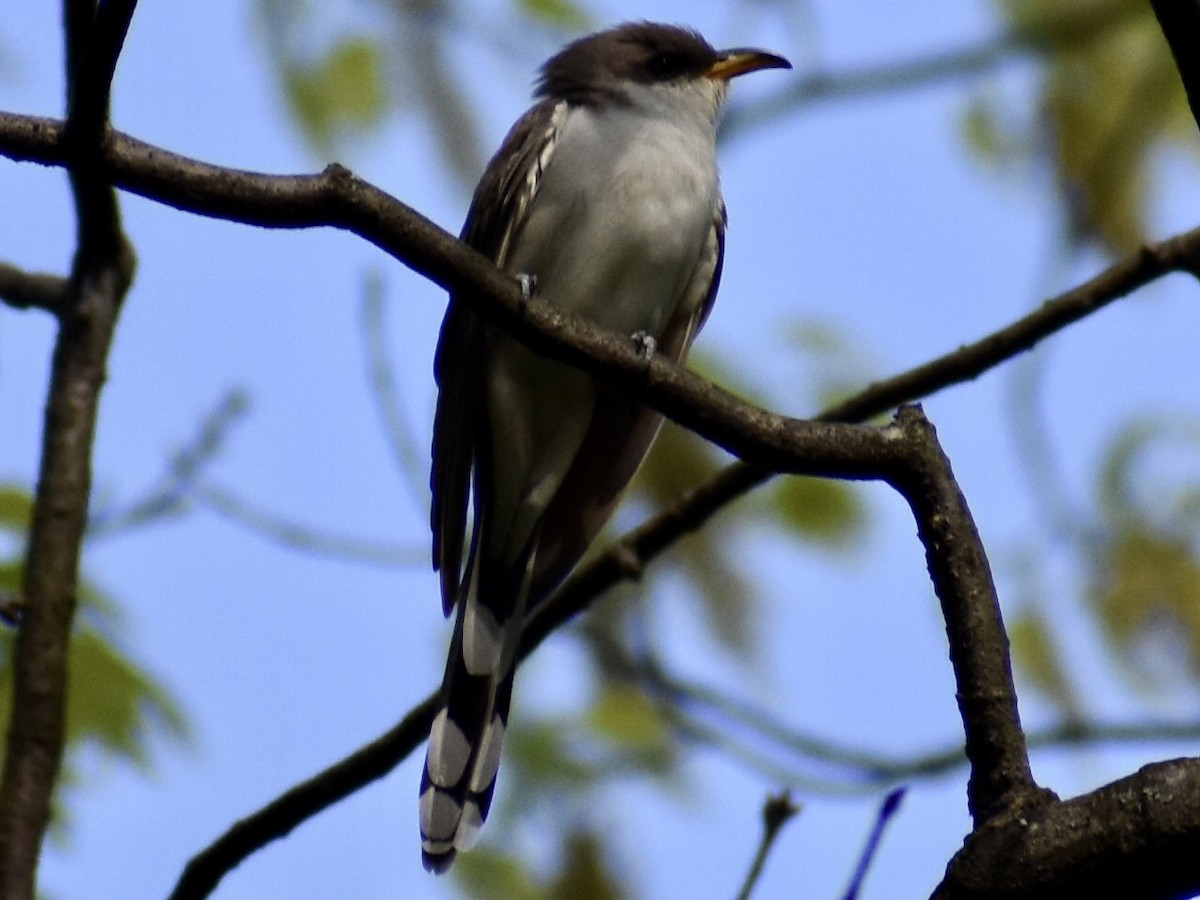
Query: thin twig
777	811
31	290
410	461
172	491
303	801
305	538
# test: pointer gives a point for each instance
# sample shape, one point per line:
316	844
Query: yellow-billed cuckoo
604	198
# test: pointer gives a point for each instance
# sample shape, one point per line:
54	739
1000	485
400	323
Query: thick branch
87	316
35	740
94	45
94	36
987	700
1136	837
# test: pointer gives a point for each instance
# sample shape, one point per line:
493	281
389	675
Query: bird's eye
666	65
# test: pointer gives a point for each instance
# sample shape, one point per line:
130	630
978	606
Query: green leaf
16	508
584	874
1130	496
1148	584
343	90
679	462
1040	660
556	12
112	704
821	509
110	701
628	717
10	576
540	757
486	873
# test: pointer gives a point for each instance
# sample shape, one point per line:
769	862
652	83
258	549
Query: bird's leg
527	281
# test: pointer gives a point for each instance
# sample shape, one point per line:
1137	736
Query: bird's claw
645	343
528	284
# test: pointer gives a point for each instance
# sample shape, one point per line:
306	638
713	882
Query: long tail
467	736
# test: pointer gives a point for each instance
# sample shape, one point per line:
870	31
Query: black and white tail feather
468	731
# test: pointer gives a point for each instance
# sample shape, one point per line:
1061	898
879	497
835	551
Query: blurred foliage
820	509
343	70
340	92
554	768
1145	578
678	462
1141	560
583	873
556	12
1147	592
1109	98
829	512
112	705
1038	656
626	716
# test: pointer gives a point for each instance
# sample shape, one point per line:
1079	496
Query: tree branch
1000	776
31	290
1136	837
100	277
278	818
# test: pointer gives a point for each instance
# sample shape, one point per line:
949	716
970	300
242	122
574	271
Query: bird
604	199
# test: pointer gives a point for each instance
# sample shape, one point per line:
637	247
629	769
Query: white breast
622	215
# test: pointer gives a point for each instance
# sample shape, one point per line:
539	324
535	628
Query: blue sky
867	216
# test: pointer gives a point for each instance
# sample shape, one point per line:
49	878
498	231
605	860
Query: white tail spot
446	758
481	640
488	761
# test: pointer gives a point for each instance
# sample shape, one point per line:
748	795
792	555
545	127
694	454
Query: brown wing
497	210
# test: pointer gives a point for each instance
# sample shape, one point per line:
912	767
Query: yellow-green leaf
1038	656
630	718
556	12
16	508
1146	582
820	508
486	873
538	755
343	90
585	874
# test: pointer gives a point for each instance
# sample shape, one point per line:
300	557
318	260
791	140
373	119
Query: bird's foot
527	281
645	343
